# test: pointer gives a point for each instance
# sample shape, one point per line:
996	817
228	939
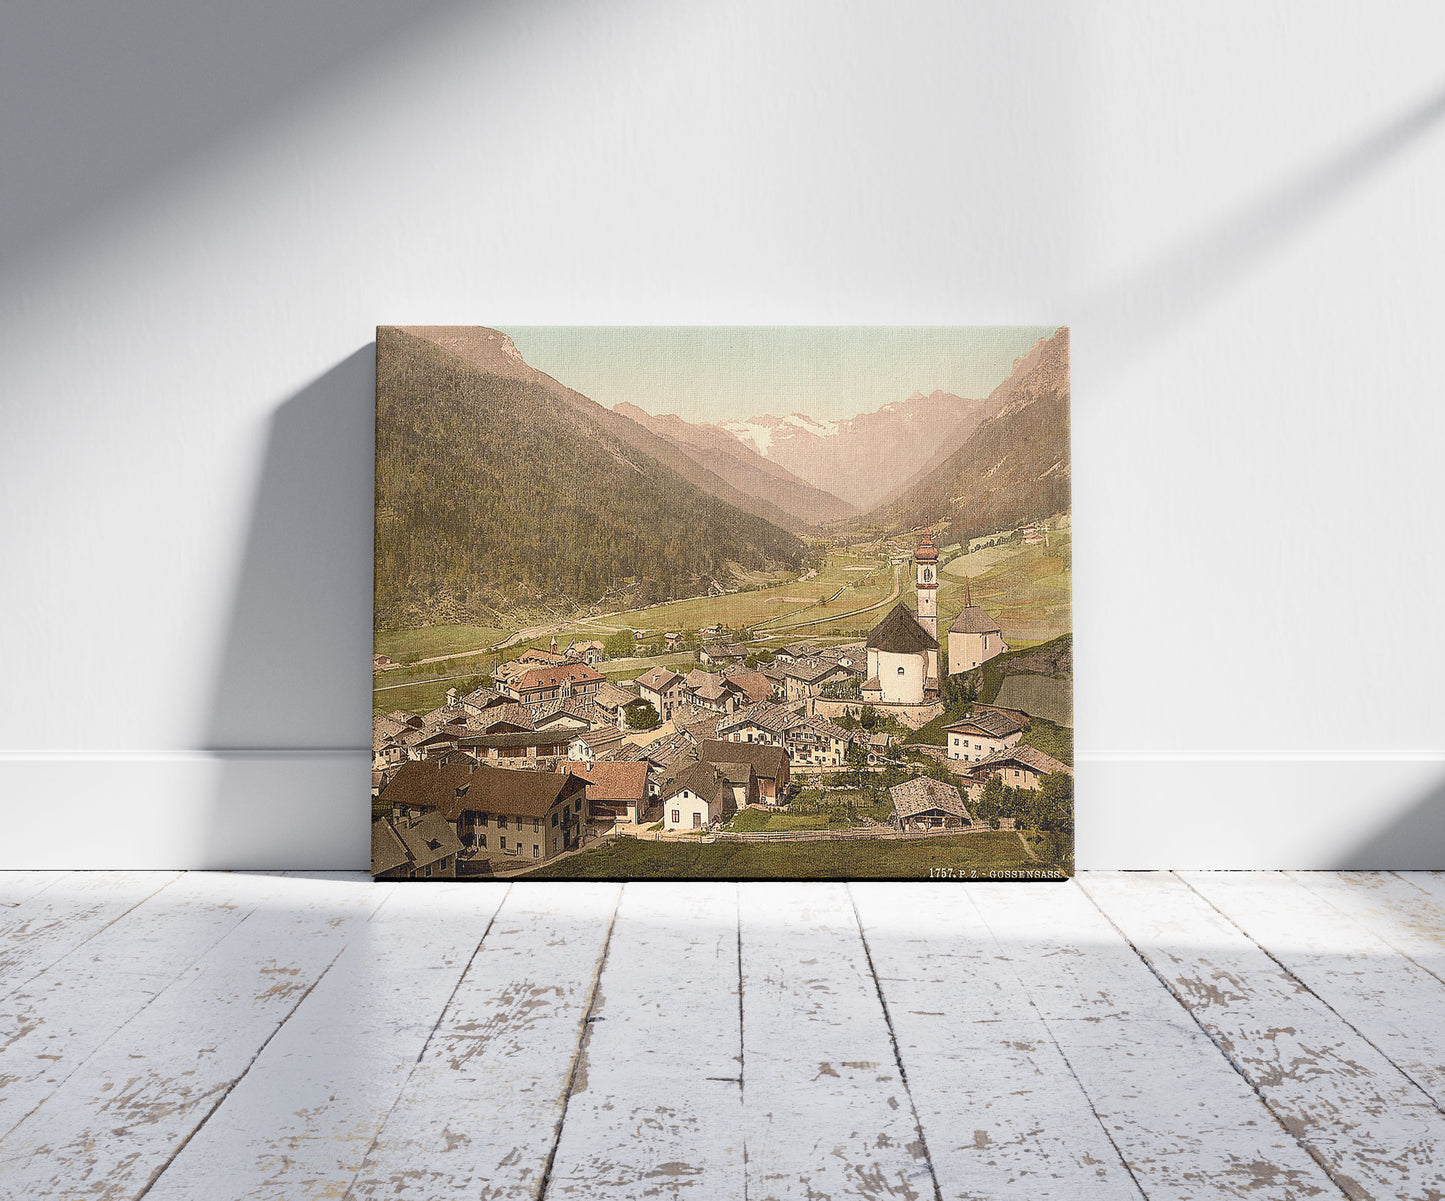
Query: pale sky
718	373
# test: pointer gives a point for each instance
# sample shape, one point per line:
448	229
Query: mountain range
1014	468
842	456
738	462
500	491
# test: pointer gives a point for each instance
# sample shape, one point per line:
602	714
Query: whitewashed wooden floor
1192	1035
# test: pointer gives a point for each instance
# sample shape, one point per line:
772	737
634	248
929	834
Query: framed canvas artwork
727	603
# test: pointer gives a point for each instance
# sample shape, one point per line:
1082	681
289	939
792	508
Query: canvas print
726	603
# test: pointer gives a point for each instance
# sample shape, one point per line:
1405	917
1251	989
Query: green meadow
966	856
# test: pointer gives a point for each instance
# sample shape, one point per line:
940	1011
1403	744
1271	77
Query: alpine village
617	645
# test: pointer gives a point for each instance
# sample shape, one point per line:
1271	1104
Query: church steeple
925	560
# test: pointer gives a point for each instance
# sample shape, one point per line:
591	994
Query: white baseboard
309	809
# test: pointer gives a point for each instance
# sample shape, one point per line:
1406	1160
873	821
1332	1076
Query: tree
989	806
643	717
621	645
858	761
868	719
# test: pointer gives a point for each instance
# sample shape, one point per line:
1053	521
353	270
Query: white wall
206	207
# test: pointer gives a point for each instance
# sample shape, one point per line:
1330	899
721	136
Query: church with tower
903	647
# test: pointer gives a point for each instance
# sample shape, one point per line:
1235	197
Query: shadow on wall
1415	841
290	717
1152	303
119	97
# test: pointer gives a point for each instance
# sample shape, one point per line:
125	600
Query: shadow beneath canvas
289	718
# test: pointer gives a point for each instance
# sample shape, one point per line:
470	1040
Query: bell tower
925	560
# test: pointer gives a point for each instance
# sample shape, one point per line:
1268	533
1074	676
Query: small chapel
903	647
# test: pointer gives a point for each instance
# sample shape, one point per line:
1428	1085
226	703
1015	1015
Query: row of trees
1048	810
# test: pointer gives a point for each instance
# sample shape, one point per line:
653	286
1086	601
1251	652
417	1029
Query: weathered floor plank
656	1107
1002	1114
16	887
300	1122
47	925
1373	1129
115	1123
54	1022
1186	1124
1404	909
1388	999
826	1110
481	1112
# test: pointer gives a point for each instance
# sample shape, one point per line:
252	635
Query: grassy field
1039	696
787	602
977	855
407	646
1057	741
1028	588
476	665
421	698
756	820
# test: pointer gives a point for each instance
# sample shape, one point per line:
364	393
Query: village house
663	753
803	678
590	652
974	637
388	745
715	654
510	817
983	733
482	699
811	741
853	657
715	692
538	685
698	723
664	690
528	748
699	796
818	742
568	714
423	848
1020	767
753	685
769	764
795	652
591	745
511	718
927	804
612	703
616	792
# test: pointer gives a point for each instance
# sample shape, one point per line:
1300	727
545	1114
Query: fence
853	832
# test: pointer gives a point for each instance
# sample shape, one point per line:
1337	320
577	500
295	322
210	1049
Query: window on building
502	842
536	852
501	821
900	671
554	819
536	825
482	841
676	817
